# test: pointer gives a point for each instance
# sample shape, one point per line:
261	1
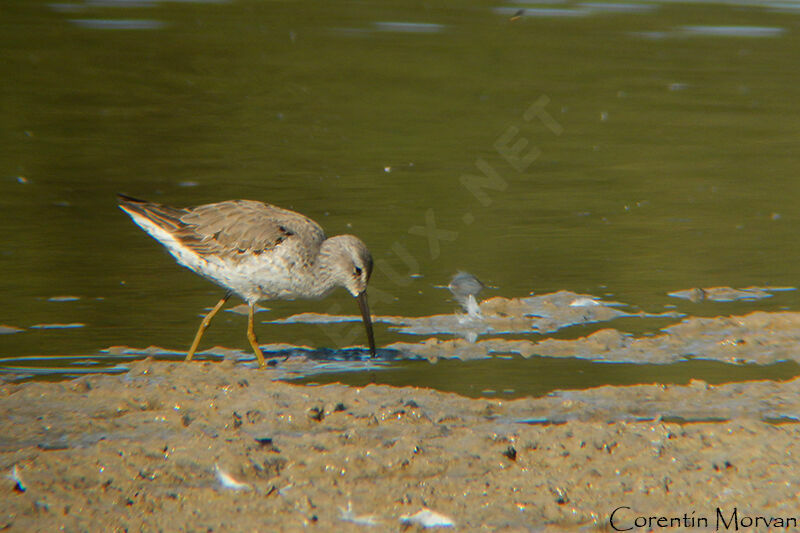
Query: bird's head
349	263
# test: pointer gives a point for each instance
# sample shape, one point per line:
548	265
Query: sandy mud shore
222	447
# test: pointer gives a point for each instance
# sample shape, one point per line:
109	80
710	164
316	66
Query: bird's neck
322	270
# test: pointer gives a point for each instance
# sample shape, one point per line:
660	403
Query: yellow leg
251	336
204	325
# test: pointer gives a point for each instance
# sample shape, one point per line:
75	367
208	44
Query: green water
513	377
656	159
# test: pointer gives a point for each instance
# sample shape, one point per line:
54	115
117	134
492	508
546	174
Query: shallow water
634	152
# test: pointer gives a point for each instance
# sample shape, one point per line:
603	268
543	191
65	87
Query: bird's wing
234	226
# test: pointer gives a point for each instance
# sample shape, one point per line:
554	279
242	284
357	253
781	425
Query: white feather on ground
347	515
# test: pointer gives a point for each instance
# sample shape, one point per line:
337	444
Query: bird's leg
251	335
204	325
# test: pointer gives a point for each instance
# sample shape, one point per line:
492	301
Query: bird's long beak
364	306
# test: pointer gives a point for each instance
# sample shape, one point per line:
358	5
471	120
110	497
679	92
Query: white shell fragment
14	476
427	518
584	302
227	481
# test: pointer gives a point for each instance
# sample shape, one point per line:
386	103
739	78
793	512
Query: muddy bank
759	337
540	314
220	446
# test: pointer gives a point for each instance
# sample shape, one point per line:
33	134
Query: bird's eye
357	271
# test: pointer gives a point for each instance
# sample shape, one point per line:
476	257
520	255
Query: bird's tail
163	216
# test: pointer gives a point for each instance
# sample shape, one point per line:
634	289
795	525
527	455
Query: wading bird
259	252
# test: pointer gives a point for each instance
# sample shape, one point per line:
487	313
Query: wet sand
219	446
